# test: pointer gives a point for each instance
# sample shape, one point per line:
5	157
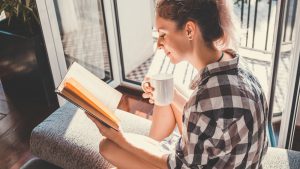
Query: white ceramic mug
163	85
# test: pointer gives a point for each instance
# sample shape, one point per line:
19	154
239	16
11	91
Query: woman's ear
190	28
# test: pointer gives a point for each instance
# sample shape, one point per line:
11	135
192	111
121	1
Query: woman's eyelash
162	36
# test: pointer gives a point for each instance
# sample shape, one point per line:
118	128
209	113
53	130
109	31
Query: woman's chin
173	61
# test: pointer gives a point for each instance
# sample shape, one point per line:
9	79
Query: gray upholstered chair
68	139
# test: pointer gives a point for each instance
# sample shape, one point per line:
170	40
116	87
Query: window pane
296	140
84	39
284	66
135	31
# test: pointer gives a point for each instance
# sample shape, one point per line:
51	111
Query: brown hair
213	17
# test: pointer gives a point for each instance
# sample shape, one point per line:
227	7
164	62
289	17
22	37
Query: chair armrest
67	138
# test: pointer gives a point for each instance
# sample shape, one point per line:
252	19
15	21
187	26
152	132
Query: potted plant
21	17
24	67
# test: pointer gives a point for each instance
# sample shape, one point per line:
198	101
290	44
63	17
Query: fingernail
144	95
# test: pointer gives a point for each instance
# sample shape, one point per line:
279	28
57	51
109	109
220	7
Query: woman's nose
159	44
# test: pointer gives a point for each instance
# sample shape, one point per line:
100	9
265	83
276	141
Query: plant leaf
2	8
24	15
33	13
27	3
9	20
17	9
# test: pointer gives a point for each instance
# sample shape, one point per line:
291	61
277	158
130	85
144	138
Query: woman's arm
179	100
177	106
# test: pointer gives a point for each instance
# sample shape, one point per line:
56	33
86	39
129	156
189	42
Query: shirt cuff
168	162
173	161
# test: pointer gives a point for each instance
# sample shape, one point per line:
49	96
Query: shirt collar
214	68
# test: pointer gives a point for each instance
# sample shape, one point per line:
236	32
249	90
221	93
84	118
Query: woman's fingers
146	86
98	124
147	95
151	101
148	89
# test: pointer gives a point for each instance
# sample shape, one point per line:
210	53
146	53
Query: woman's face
173	41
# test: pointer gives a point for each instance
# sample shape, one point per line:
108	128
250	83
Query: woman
222	125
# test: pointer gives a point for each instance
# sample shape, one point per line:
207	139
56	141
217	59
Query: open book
90	93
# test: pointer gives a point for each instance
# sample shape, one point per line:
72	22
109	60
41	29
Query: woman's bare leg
123	159
163	122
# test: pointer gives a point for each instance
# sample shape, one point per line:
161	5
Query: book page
90	110
107	95
85	96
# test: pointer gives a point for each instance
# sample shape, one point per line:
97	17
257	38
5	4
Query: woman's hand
179	99
113	135
148	90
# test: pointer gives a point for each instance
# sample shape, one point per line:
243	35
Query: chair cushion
67	138
277	158
36	163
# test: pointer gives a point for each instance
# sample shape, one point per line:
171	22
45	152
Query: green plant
23	10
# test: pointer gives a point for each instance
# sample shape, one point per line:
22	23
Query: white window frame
288	117
54	46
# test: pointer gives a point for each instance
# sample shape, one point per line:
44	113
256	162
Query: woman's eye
162	36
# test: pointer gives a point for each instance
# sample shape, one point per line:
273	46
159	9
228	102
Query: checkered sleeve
210	134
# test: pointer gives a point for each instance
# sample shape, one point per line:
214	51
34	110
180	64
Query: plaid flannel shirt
224	121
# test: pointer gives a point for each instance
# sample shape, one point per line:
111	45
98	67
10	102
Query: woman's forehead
164	24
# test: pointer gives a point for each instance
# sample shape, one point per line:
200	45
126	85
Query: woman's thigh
124	159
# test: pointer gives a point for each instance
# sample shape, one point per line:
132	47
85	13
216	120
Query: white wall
135	22
66	15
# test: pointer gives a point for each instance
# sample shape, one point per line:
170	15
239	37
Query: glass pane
284	66
136	37
296	139
257	35
290	36
281	89
84	38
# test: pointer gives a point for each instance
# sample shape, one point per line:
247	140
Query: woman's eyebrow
160	30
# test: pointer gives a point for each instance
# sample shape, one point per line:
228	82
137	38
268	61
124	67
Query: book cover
88	92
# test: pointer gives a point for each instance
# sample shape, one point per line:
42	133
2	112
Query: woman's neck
204	56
